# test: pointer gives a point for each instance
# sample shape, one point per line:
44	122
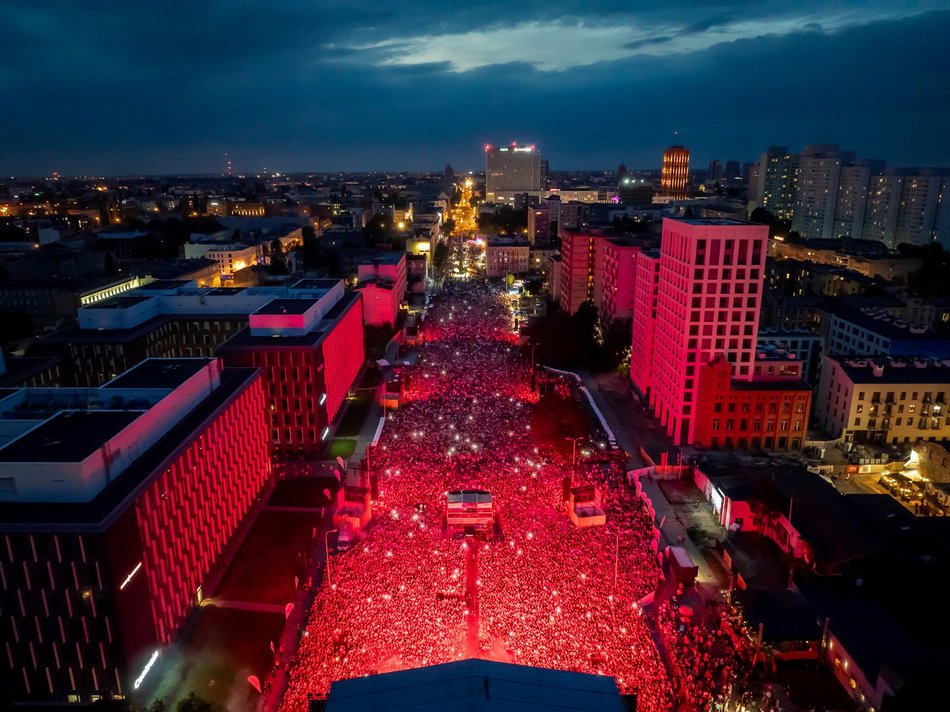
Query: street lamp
574	454
326	550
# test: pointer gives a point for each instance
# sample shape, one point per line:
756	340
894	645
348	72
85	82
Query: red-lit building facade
382	281
112	516
311	351
761	414
698	303
615	279
645	289
577	266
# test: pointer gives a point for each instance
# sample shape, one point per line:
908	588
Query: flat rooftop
96	514
316	283
777	385
883	324
159	373
70	436
165	284
390	258
932	373
244	338
474	685
287	306
713	221
118	303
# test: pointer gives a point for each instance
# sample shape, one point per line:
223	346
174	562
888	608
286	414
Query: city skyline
367	87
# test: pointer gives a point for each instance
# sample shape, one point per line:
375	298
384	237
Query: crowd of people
549	594
711	653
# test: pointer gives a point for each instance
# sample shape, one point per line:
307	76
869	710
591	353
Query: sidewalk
636	429
279	679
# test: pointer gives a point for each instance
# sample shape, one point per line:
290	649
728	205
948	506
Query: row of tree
564	340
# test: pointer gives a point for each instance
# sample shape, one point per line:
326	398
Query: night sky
168	87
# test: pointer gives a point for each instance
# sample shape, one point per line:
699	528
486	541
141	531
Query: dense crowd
550	594
710	652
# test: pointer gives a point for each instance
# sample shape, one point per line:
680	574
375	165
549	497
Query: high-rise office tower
509	170
715	170
674	174
777	178
732	170
819	168
708	298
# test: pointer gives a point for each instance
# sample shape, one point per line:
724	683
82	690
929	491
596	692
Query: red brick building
756	414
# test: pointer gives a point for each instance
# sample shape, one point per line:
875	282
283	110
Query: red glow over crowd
550	594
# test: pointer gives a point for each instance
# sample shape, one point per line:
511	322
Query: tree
440	255
278	264
311	248
776	226
617	339
193	703
111	266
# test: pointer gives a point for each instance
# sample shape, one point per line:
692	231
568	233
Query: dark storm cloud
165	87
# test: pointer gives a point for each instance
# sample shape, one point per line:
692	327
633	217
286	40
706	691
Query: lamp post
574	454
326	551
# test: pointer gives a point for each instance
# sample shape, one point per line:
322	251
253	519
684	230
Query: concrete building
231	258
922	198
510	170
884	199
115	505
507	255
707	305
539	258
571	215
646	291
867	257
539	225
382	280
804	345
310	351
777	182
769	412
616	276
819	168
873	332
883	401
674	173
164	319
854	185
577	266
